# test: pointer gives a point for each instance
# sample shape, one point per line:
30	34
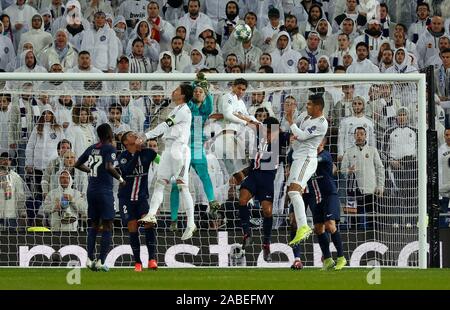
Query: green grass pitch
225	279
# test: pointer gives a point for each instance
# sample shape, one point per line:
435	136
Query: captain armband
170	121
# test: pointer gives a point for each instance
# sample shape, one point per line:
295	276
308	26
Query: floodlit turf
225	279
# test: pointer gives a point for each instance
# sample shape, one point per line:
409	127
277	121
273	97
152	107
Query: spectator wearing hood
47	20
337	58
133	11
312	50
284	58
213	56
173	10
73	22
193	20
161	30
151	47
428	43
131	114
65	205
315	14
324	30
95	6
351	11
101	43
13	193
270	30
120	29
197	61
298	42
373	38
28	64
248	56
180	56
36	35
20	14
444	43
60	51
7	51
402	62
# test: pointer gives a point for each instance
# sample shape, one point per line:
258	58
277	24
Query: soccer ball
243	32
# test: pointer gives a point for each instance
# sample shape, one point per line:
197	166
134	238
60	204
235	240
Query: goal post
413	239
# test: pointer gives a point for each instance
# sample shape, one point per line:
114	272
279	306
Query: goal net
376	137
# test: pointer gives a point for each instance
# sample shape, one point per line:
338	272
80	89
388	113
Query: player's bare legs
303	231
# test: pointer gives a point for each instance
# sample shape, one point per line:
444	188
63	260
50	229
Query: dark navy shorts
260	184
100	206
132	210
326	210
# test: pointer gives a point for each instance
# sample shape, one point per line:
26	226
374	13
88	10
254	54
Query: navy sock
244	215
91	238
150	241
324	245
135	246
336	238
295	248
104	245
267	228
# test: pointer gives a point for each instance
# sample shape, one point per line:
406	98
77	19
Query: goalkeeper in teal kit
201	107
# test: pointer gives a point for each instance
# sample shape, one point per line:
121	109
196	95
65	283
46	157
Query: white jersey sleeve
229	107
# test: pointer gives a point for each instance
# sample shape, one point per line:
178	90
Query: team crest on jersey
367	155
290	62
229	101
6	50
113	156
53	135
102	38
123	161
365	125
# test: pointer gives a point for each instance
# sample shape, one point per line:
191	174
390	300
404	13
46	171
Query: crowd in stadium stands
41	136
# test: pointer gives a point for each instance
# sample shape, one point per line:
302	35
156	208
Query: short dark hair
230	54
423	4
359	128
339	68
136	41
7	96
240	81
60	143
271	121
115	106
384	5
290	16
176	38
362	44
261	110
445	50
84	53
104	132
187	91
251	13
405	29
304	58
267	69
198	1
317	99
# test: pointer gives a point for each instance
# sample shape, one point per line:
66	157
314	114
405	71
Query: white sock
188	203
299	208
157	198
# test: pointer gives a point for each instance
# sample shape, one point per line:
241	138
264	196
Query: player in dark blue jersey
326	208
101	160
134	164
260	181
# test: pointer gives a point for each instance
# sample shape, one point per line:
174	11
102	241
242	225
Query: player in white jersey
176	157
306	138
229	142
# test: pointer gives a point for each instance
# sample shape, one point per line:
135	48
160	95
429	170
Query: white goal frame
379	77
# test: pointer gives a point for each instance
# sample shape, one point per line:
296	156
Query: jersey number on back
94	162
